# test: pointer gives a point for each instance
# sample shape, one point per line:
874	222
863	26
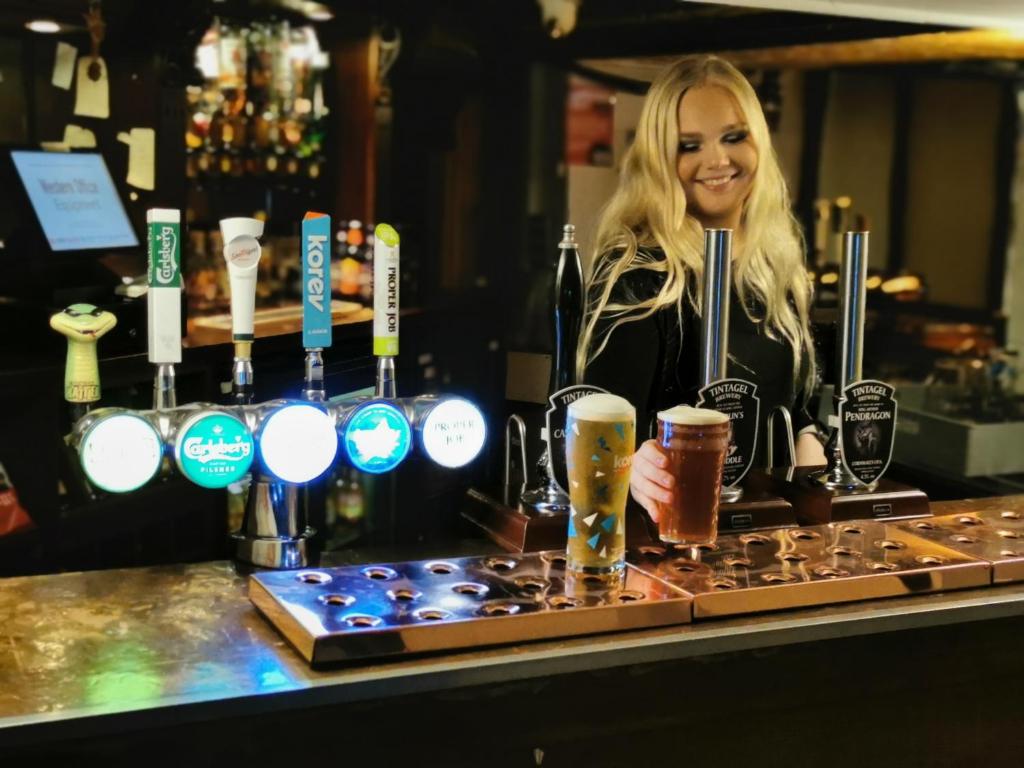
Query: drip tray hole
1009	515
470	588
842	551
499	609
652	552
630	596
890	544
962	539
777	578
724	583
754	539
852	530
882	566
931	559
562	602
501	564
734	561
828	572
969	520
312	577
441	568
432	614
1008	534
362	620
532	584
379	573
683	565
336	600
554	558
800	535
792	557
924	526
404	595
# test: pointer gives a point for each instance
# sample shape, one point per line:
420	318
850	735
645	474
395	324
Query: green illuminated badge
214	449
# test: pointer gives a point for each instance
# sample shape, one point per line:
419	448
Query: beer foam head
689	416
602	407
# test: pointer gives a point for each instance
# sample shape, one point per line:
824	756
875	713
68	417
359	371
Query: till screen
75	200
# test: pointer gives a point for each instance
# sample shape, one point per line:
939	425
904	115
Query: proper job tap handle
83	325
316	299
242	254
163	301
385	308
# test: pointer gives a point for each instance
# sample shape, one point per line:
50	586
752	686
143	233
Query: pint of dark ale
695	441
599	445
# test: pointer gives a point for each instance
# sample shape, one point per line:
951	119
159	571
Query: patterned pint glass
695	442
599	446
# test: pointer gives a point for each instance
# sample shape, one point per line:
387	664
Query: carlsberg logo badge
167	263
315	270
205	451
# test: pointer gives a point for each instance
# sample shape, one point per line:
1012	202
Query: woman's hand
648	481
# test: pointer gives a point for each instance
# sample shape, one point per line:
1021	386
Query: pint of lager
695	442
599	446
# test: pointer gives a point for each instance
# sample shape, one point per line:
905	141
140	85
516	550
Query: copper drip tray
834	563
991	534
339	614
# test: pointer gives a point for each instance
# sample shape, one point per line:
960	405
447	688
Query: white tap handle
163	297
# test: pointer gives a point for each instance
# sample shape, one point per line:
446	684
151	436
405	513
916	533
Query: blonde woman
702	158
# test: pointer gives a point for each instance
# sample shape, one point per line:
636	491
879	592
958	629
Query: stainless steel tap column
849	347
714	324
714	327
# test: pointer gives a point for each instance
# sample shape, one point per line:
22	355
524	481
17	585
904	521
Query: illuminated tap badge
298	442
214	449
377	437
454	433
121	452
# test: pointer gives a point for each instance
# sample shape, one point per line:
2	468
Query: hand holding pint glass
695	442
599	444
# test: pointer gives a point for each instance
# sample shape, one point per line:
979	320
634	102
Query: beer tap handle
385	308
569	299
316	300
83	325
242	253
163	301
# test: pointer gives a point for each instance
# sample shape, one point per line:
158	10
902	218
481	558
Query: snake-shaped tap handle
83	325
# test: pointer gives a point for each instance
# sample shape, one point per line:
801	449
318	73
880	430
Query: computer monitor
75	200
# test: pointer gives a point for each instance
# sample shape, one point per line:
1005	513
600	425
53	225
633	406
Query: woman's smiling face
717	158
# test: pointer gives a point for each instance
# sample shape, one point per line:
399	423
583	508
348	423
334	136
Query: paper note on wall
75	137
92	97
64	65
141	156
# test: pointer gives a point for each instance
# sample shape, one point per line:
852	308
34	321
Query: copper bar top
95	652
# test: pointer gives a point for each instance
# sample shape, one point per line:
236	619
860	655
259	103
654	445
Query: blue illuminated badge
377	437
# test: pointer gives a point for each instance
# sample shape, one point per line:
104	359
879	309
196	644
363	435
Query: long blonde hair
648	211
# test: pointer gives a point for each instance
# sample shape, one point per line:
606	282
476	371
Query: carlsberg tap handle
83	325
163	300
385	307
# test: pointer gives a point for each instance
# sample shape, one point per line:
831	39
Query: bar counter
101	662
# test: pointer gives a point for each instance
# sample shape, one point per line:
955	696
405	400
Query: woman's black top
651	365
